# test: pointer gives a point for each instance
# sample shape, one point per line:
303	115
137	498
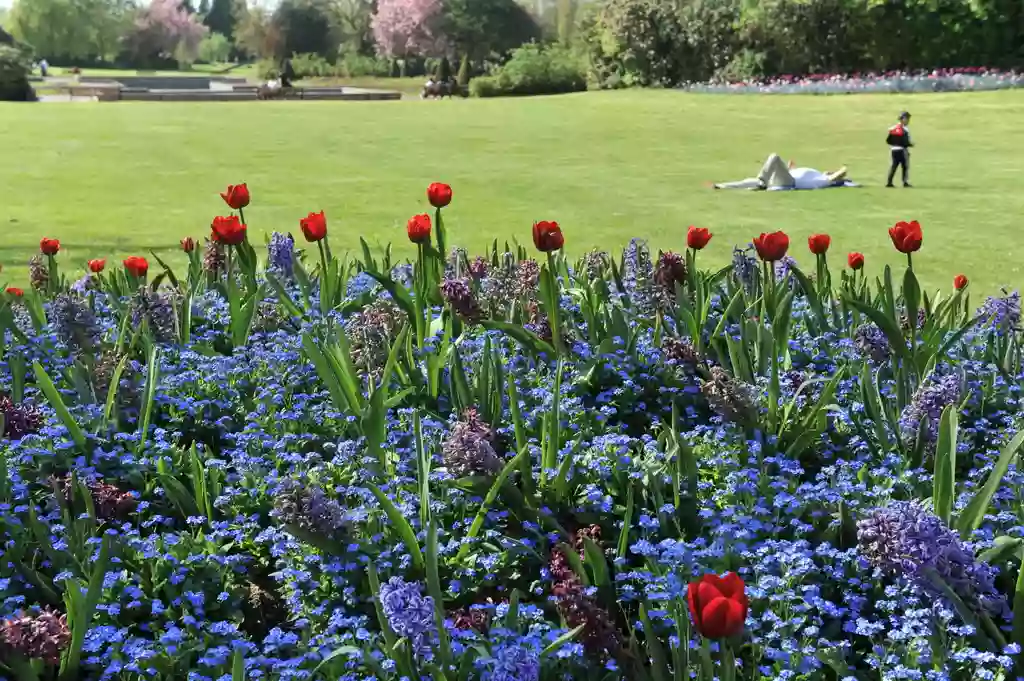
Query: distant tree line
613	42
169	33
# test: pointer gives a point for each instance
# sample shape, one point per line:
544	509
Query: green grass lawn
130	178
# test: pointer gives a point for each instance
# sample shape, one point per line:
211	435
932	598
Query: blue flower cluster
381	471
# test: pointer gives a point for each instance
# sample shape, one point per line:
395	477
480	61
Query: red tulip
419	229
314	226
819	243
772	247
960	282
698	237
237	196
906	236
718	605
136	266
16	292
96	266
188	244
49	246
439	195
229	231
855	260
547	236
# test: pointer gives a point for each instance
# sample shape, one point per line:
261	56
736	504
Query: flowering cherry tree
409	27
167	29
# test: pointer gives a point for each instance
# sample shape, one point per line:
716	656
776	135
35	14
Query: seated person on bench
777	175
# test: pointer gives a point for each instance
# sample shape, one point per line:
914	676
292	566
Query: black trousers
900	159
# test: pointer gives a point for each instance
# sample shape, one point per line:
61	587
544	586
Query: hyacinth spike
410	614
904	537
44	636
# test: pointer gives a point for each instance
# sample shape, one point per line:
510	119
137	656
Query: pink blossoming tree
166	29
405	28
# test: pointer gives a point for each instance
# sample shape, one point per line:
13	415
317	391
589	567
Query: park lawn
115	179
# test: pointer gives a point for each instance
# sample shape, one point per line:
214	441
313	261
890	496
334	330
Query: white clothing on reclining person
776	175
809	178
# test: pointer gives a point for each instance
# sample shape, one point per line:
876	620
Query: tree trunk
566	20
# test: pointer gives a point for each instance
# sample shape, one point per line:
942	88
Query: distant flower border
973	79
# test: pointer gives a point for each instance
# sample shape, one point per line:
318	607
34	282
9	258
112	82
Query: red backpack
897	136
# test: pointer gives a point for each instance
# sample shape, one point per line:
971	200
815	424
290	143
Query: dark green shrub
486	86
312	66
353	65
949	33
268	69
808	36
709	40
444	70
14	72
305	26
667	42
636	42
746	65
533	70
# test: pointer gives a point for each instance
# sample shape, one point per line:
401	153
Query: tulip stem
419	274
824	284
51	269
440	233
325	283
728	671
554	304
769	288
707	665
420	283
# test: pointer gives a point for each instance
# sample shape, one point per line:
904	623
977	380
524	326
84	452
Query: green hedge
315	66
667	42
533	70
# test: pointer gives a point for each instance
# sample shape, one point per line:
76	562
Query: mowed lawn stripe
111	180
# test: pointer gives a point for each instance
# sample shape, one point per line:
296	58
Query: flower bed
306	466
940	80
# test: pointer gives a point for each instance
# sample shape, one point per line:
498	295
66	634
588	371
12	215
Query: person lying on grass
777	175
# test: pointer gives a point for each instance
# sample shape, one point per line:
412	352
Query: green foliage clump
214	49
533	70
305	26
350	65
484	28
804	36
14	70
664	42
636	42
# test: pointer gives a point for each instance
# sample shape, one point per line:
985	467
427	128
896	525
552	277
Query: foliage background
664	42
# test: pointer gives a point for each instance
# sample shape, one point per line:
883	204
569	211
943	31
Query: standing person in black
899	143
287	73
